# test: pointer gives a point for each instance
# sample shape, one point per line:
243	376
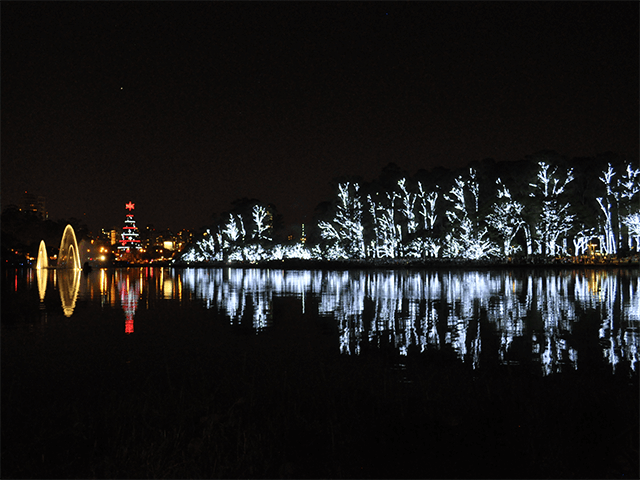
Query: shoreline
297	264
532	262
409	264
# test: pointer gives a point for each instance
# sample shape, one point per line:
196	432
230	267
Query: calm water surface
543	320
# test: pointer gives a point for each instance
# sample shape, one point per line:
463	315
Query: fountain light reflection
68	286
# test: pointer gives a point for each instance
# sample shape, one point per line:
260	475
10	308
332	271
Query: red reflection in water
129	295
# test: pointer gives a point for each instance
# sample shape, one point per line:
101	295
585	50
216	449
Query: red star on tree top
130	206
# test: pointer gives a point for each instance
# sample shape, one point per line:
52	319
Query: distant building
184	236
108	234
147	236
296	233
36	204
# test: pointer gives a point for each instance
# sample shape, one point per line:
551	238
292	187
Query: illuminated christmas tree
130	236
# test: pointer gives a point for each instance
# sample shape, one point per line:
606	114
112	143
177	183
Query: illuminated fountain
68	270
43	259
69	255
42	263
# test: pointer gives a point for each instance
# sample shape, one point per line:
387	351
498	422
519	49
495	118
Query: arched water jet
69	255
43	259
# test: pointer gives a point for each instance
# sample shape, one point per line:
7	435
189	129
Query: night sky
184	107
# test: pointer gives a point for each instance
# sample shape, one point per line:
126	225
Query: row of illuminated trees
544	205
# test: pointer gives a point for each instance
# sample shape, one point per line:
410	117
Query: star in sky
130	206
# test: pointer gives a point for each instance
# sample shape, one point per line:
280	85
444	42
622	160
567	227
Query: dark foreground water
158	372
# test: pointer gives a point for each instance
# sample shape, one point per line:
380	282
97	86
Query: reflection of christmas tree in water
130	241
129	295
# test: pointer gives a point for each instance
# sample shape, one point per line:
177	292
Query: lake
320	373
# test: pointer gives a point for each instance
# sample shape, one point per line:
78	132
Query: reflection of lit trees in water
236	292
434	310
620	319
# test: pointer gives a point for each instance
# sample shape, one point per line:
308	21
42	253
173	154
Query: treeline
544	205
22	232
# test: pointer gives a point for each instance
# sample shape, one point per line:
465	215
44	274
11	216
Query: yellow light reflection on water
179	282
42	275
114	293
167	288
595	280
69	287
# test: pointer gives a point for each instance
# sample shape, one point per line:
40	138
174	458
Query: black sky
184	107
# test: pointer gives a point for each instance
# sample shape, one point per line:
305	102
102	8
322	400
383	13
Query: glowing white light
506	218
555	220
467	238
346	227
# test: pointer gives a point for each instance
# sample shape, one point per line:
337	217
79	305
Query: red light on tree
130	206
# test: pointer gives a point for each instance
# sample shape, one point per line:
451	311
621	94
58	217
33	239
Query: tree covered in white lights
204	249
506	218
419	215
607	204
263	221
555	219
427	208
408	206
618	206
233	235
467	237
244	234
388	234
581	239
345	230
632	222
427	244
444	216
629	203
